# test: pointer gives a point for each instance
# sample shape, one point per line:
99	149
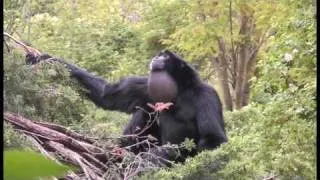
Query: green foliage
101	123
203	166
263	141
109	49
13	139
290	61
28	165
34	91
45	92
189	144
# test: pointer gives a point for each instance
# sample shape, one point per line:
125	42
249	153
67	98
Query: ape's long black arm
123	96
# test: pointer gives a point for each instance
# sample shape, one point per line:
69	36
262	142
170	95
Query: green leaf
28	165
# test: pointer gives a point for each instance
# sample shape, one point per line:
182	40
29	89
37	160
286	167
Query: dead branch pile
94	159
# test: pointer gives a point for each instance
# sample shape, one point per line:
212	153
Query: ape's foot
160	106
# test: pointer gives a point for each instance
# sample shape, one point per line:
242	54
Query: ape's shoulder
205	88
134	81
141	79
207	93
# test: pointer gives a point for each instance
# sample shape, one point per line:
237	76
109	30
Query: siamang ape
196	112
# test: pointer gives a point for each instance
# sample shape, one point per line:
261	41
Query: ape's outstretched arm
123	96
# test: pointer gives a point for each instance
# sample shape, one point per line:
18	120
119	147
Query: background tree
225	37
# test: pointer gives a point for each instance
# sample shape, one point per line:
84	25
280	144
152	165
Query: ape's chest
178	124
178	113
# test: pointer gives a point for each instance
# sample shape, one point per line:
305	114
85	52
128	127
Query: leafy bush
25	165
34	92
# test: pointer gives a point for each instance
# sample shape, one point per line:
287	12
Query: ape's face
158	62
168	74
166	61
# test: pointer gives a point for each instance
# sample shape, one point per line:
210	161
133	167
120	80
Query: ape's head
169	74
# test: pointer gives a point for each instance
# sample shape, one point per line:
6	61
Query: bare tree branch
95	162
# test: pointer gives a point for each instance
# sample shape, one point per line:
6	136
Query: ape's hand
32	58
160	106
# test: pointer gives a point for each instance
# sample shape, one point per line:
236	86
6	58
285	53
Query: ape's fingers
151	105
160	106
31	58
34	58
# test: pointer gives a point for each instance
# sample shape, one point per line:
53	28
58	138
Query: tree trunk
250	69
236	65
246	93
222	65
241	71
240	77
221	69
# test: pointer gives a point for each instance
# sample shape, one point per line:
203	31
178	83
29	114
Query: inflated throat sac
162	87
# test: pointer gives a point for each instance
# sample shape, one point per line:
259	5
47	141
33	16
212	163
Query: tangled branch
95	159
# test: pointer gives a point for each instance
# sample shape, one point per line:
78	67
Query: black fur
196	113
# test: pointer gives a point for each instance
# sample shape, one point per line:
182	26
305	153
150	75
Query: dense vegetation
273	134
